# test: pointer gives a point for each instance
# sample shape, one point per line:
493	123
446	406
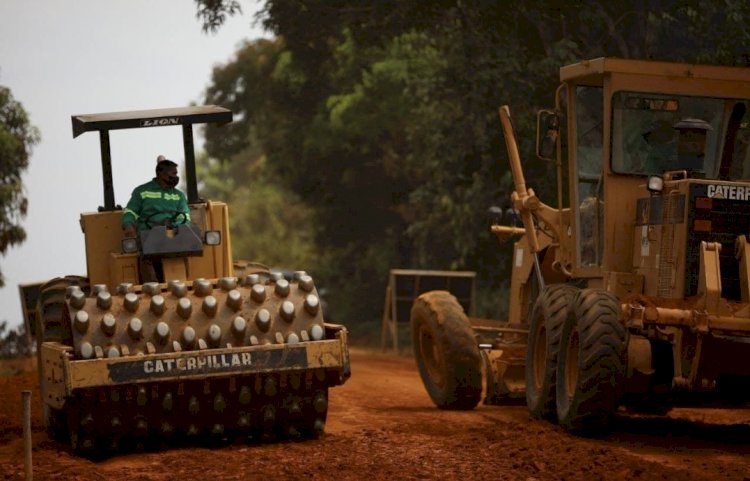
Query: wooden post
386	328
26	400
394	312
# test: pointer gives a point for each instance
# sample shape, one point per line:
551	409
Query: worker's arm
182	208
130	214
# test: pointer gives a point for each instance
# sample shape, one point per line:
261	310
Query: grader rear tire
548	316
590	369
446	351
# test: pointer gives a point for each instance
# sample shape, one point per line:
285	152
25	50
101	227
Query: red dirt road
382	426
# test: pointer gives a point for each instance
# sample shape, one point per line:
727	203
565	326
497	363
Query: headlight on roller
129	245
213	237
655	184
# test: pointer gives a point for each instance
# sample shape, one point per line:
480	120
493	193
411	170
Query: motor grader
632	293
217	348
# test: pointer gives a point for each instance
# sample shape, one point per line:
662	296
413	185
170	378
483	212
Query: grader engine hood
671	225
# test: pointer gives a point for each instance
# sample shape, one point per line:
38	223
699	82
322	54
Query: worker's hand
129	231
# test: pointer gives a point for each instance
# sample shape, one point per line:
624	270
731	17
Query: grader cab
218	348
634	290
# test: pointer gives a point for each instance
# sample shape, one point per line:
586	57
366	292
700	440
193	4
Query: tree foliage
17	136
213	13
13	343
268	223
381	117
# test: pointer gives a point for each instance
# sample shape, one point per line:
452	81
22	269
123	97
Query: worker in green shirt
157	202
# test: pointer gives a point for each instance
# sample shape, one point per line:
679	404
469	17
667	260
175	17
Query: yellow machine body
106	264
634	289
218	348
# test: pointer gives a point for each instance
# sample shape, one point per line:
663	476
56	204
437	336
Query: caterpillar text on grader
639	291
223	348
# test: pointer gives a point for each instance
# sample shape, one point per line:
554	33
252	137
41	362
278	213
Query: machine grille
714	219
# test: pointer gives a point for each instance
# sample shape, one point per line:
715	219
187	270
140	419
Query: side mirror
513	216
547	134
495	215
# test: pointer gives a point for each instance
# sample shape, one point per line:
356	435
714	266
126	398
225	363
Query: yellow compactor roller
219	348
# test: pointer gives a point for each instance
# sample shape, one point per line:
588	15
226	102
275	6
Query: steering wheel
170	222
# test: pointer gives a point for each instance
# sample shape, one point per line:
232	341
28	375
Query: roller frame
65	375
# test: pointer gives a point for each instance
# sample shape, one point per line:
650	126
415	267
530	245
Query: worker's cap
693	124
162	163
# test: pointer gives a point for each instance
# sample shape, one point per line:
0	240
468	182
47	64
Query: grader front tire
446	351
590	369
548	316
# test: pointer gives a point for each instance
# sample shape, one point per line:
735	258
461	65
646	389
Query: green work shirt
151	204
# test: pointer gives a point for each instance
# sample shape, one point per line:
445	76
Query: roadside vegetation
367	136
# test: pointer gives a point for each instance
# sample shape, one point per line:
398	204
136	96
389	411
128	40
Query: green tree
14	342
383	117
213	13
268	223
17	136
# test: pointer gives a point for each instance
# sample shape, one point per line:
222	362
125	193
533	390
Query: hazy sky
89	56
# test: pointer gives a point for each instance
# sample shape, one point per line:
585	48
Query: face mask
173	181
